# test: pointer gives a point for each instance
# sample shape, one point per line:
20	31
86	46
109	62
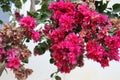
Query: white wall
90	71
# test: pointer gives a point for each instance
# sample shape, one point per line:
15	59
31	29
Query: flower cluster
77	29
74	32
97	53
13	53
28	24
66	53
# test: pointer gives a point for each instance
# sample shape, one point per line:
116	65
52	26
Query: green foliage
44	12
113	15
37	2
24	1
17	3
114	11
100	6
5	4
111	12
49	42
25	61
52	75
41	15
8	47
51	60
1	21
116	7
41	47
27	39
57	77
112	31
33	14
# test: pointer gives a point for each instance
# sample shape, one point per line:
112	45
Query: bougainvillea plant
73	31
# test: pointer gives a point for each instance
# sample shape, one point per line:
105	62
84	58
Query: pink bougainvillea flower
73	38
13	63
55	6
35	36
57	35
97	53
66	22
48	29
117	33
113	44
28	22
67	53
83	8
102	18
66	7
57	15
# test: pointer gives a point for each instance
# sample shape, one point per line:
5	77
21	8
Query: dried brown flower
22	73
24	52
11	34
115	23
36	52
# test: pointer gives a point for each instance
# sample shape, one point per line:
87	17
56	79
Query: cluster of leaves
42	14
112	12
6	5
55	75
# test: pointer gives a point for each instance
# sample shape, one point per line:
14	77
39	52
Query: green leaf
107	48
49	42
33	14
100	6
8	47
116	7
112	31
44	13
110	14
25	61
72	0
1	22
24	1
52	75
5	8
28	39
17	3
5	5
41	47
51	61
37	2
43	18
57	77
44	7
